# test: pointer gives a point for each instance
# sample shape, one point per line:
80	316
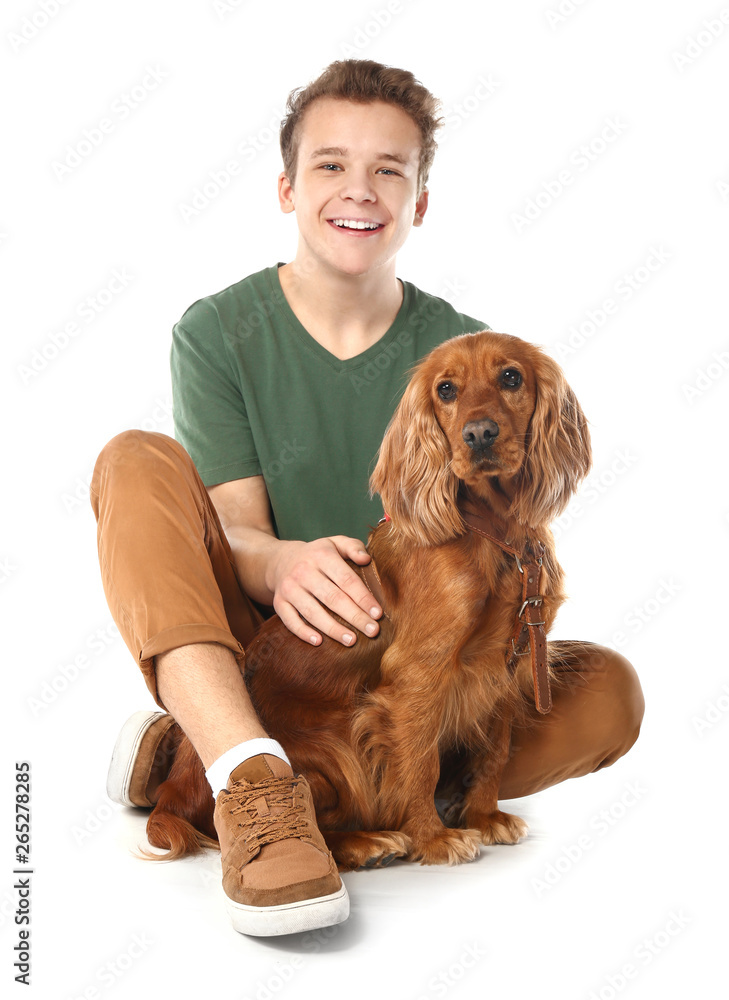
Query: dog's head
490	411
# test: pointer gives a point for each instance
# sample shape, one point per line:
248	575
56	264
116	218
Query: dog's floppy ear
558	452
412	474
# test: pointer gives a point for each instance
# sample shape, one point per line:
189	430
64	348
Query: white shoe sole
290	918
124	755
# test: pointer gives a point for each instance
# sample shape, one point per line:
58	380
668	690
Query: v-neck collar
313	345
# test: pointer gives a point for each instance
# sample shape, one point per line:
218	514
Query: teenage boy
283	385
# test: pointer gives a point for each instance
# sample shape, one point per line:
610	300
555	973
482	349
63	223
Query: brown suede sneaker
142	758
279	877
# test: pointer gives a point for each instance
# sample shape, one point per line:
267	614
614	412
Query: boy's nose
358	187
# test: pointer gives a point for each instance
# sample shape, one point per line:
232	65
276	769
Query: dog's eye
511	378
446	390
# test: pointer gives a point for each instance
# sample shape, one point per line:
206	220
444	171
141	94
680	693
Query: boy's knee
625	686
623	701
133	454
133	446
608	697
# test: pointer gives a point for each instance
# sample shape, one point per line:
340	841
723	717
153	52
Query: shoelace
267	829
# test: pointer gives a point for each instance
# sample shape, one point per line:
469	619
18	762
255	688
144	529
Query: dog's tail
181	822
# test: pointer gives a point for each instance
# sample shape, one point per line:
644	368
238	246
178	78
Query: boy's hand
307	578
300	579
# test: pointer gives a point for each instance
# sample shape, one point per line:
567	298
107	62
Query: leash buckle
519	565
535	602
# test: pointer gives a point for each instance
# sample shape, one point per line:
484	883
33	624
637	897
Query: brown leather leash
528	627
372	581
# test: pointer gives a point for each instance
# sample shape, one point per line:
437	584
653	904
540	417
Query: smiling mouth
356	227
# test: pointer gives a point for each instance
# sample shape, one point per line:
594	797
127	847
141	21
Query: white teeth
355	224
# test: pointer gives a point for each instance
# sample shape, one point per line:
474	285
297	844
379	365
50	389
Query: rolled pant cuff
182	635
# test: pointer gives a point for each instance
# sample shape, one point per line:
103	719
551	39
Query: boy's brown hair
363	81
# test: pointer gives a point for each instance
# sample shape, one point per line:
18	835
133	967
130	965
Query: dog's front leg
402	733
480	809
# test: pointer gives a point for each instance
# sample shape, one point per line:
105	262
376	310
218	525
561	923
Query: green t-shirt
255	394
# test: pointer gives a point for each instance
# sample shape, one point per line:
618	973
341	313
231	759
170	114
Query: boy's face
356	163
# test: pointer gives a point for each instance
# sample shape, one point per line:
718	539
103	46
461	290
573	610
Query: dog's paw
447	847
500	828
366	848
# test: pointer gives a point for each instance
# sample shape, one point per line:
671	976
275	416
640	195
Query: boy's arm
299	579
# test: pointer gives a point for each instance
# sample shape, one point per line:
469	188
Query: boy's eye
331	167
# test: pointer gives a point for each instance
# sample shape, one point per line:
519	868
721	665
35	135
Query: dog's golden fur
371	726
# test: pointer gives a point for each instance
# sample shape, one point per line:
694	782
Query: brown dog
485	449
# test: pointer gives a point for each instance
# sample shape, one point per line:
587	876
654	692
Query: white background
523	90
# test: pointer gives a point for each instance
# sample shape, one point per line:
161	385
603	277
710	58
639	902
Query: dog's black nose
479	434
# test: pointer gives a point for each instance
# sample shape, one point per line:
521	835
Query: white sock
219	771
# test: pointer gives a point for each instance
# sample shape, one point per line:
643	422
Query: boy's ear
285	193
421	206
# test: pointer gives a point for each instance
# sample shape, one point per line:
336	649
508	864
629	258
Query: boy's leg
597	711
595	719
203	681
172	589
165	561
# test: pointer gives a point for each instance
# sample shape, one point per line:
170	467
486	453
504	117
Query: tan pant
169	580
